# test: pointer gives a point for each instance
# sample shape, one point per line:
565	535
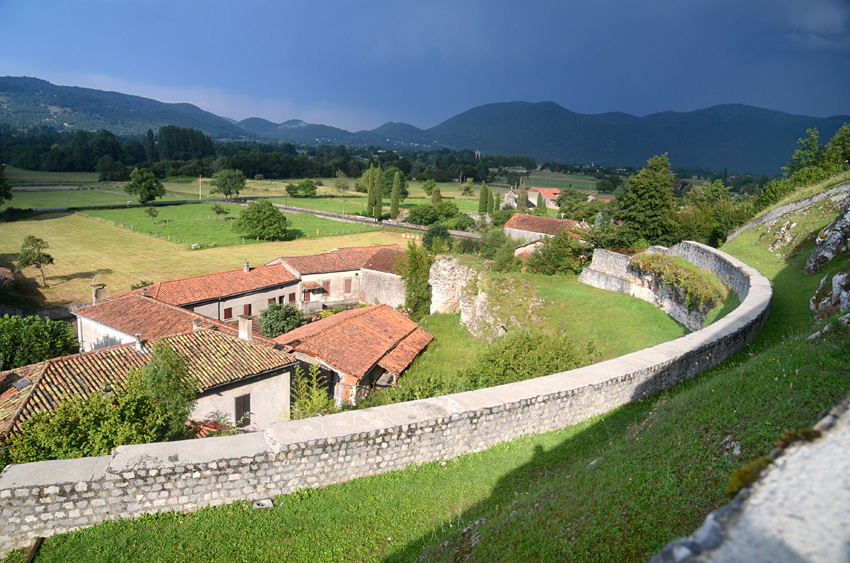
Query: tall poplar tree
379	194
522	199
396	195
369	180
483	198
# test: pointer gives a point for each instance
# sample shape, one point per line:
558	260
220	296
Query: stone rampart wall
45	498
838	194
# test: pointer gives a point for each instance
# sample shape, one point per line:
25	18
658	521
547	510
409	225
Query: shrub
526	354
561	254
277	319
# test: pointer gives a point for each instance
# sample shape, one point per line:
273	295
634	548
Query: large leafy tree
647	204
145	185
415	270
154	407
28	340
5	186
228	182
261	219
277	319
33	254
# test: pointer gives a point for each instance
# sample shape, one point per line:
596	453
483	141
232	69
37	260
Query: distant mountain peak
293	124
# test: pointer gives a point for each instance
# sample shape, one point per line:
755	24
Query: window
307	295
271	300
246	309
348	285
326	287
243	411
228	313
292	297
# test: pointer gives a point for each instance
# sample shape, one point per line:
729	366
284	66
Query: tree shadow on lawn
58	280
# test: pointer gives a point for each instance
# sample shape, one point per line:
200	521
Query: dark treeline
182	151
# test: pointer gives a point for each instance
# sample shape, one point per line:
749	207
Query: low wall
44	498
837	193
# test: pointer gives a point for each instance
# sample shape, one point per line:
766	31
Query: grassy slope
84	247
661	465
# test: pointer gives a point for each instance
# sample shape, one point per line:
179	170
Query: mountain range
737	137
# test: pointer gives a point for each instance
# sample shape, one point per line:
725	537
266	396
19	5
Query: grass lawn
549	179
84	247
598	315
197	223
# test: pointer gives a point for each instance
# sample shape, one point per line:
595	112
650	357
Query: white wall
269	401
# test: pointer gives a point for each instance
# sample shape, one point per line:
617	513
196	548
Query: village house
531	228
379	280
331	279
358	349
226	295
119	320
248	382
550	198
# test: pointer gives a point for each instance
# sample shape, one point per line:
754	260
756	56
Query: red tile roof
222	284
214	358
354	341
384	260
551	193
535	224
134	314
338	260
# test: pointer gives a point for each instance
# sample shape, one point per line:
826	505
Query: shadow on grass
58	280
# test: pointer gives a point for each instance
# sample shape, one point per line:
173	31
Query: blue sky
356	64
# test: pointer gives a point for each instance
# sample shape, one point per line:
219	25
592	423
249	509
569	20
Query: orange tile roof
354	341
214	358
384	260
535	224
338	260
551	193
221	284
136	314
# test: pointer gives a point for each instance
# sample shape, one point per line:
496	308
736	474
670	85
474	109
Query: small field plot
198	224
548	179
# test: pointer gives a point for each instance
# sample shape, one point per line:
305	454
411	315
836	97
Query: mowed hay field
83	247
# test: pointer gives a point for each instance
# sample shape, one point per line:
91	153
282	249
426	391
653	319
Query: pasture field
198	224
21	177
549	179
46	198
84	247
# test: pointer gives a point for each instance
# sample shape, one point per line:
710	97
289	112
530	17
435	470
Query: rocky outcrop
488	307
448	278
833	295
832	240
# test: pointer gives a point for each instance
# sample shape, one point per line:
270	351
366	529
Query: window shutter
243	411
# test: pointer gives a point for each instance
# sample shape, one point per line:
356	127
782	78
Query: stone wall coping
186	452
54	472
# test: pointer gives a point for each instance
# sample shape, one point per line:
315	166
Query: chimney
140	346
246	267
144	292
196	325
98	291
245	327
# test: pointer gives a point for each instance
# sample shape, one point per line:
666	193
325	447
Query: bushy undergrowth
702	289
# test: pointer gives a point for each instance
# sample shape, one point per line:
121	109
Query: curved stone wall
40	499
